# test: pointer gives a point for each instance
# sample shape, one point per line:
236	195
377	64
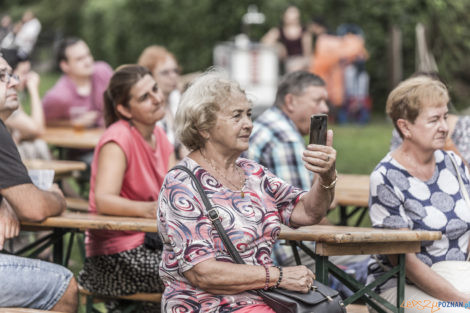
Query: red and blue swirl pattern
252	222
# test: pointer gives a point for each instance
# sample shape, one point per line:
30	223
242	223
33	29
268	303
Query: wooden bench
357	308
91	298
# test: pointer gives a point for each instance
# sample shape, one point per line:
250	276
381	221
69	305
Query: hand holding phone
318	129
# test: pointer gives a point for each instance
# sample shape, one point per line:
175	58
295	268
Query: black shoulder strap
213	215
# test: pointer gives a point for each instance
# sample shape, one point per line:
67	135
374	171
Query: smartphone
318	128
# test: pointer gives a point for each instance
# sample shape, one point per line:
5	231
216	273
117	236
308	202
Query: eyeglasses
175	71
6	77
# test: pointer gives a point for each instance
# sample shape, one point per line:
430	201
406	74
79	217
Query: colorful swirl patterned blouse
252	222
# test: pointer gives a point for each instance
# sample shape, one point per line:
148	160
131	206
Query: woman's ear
204	134
403	125
123	111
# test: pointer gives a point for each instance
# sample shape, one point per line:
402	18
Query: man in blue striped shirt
277	139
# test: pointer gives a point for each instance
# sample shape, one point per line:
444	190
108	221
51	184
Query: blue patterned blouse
399	200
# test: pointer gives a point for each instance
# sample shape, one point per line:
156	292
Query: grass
360	148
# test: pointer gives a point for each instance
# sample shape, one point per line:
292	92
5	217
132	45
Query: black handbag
321	299
153	241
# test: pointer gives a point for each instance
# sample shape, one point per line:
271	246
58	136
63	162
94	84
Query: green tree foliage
118	30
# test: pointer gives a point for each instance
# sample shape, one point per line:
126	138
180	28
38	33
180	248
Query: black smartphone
318	128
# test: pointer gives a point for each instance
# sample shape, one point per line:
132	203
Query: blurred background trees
118	30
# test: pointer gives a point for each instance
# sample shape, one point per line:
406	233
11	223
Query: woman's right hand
297	278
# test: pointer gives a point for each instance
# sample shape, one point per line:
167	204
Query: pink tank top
143	178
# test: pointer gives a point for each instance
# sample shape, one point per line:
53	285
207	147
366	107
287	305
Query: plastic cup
42	179
76	114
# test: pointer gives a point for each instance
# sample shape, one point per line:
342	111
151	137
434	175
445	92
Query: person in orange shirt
332	53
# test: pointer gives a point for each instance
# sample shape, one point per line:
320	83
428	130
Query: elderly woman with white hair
214	122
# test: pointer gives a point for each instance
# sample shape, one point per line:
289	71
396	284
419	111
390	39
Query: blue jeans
30	283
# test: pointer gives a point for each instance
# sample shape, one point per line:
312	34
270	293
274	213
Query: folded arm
32	204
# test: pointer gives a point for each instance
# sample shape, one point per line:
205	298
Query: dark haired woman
128	168
292	40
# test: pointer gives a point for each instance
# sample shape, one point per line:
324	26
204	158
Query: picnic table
352	190
329	240
61	168
67	137
344	240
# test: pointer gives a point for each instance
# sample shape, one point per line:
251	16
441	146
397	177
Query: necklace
241	176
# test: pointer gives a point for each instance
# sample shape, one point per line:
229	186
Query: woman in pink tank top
130	162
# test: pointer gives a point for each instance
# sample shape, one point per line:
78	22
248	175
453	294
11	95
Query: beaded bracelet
266	283
280	277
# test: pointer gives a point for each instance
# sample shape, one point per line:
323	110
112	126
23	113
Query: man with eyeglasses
26	283
77	97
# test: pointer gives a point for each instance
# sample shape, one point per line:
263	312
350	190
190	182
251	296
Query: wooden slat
356	308
352	190
60	167
85	221
349	234
150	297
66	137
77	204
330	249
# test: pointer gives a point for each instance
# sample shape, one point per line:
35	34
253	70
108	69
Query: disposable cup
42	179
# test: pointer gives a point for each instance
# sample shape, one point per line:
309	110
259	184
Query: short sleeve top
59	100
145	170
252	223
12	170
400	200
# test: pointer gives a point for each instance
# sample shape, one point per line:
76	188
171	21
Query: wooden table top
67	137
348	234
60	167
319	233
85	221
352	190
346	240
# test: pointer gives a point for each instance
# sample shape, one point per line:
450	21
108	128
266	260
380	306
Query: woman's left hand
322	159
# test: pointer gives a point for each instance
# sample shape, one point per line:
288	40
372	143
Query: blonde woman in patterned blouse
214	122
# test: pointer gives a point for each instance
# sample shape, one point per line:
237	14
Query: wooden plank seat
147	297
91	298
357	308
77	204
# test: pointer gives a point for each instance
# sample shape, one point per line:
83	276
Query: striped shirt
277	144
